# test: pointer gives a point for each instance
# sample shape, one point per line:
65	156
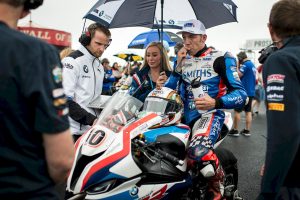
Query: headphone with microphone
32	4
86	37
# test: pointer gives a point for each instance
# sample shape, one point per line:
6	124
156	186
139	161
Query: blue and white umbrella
142	40
161	13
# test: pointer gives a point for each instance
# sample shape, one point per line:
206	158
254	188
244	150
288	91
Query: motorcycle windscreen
120	109
159	105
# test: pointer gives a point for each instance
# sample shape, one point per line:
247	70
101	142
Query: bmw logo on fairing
171	22
134	191
85	69
101	13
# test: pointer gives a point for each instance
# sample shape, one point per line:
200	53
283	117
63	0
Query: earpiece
32	4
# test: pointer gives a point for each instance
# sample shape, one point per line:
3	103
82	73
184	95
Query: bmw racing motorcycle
141	155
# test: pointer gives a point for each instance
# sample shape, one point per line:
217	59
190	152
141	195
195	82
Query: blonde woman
65	52
155	63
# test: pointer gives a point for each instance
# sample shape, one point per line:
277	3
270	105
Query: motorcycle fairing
119	149
97	140
171	139
178	131
130	190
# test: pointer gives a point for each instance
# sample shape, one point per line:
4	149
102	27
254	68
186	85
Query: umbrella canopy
161	13
129	56
142	40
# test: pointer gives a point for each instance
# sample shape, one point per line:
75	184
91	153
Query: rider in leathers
221	83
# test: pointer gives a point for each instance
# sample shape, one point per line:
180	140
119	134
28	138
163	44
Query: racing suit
220	81
83	77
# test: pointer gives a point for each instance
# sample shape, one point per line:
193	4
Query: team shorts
247	107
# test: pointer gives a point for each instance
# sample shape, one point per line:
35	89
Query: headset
86	37
32	4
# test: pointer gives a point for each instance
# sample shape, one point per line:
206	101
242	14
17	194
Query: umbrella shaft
162	20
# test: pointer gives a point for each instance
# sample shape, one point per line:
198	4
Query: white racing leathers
82	81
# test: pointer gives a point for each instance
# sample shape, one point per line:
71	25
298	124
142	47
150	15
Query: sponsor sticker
236	75
57	74
188	64
202	123
275	97
189	25
157	92
68	65
57	92
276	106
233	68
205	88
275	78
207	58
275	88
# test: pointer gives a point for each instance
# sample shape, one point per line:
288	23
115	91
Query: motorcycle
123	156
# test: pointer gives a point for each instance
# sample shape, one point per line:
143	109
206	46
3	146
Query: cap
166	45
193	26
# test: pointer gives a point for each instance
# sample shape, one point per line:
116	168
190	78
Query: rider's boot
201	154
216	181
216	184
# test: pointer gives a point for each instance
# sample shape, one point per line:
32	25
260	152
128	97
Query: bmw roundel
171	22
134	191
85	69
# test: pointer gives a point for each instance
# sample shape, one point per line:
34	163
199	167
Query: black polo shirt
32	102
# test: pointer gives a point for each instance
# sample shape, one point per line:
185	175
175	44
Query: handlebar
160	153
169	157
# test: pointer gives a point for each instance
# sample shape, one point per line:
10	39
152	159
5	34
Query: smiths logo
188	25
195	73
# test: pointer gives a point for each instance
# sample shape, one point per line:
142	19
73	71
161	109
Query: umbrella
142	40
167	13
129	56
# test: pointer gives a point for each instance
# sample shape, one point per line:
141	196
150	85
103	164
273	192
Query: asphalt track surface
250	152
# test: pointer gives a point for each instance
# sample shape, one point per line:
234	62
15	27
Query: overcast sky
67	15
